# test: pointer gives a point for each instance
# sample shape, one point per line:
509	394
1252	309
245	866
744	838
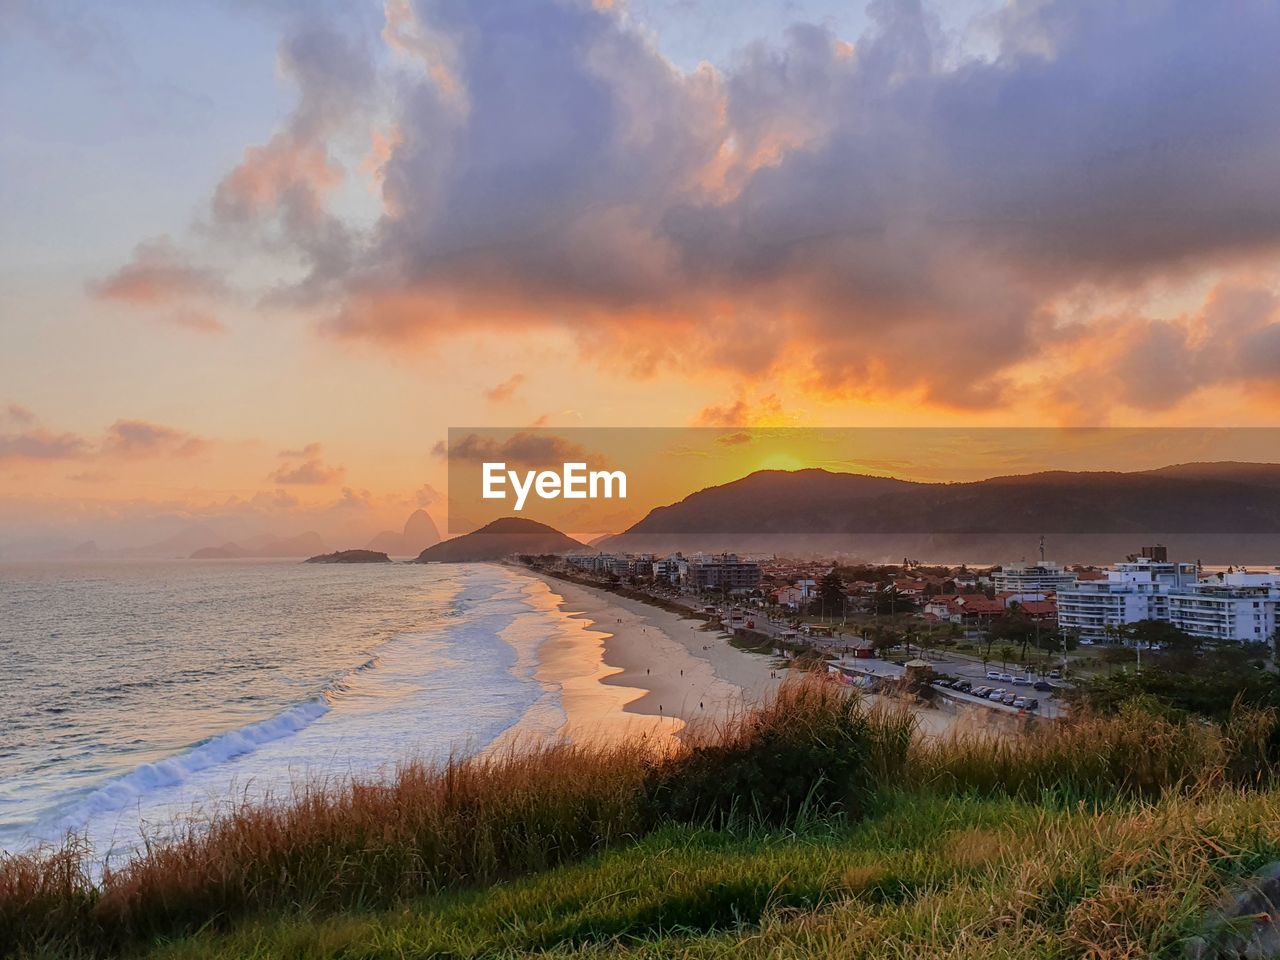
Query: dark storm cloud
528	449
870	215
911	213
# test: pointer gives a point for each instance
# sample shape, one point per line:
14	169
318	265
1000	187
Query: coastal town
1020	638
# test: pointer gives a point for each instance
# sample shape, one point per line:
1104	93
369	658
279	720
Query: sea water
134	693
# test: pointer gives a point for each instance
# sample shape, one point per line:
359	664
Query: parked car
993	674
1008	699
964	686
1042	685
1021	682
996	695
1055	675
1020	702
1005	678
1032	703
981	691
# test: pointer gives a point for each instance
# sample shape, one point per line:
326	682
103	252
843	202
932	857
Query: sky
258	256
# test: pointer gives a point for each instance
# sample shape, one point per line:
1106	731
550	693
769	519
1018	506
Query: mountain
1214	511
350	556
179	544
419	533
500	539
264	547
48	548
772	501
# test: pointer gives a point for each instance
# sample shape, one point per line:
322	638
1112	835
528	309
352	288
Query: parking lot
977	675
954	667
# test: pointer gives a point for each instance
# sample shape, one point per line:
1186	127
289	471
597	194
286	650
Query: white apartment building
598	562
1043	577
1137	589
1236	606
672	569
1233	606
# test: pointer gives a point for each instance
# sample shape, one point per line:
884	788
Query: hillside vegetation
810	827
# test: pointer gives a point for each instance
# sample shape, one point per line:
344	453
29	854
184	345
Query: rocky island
350	556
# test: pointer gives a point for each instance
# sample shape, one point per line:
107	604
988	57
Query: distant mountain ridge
1208	506
304	545
499	539
419	533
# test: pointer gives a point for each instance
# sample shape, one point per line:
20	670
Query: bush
809	750
469	822
1135	753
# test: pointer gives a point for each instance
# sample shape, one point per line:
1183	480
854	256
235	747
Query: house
790	597
975	608
1011	597
1041	611
939	606
911	589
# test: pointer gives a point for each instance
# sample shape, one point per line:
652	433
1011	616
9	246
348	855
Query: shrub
1133	754
469	822
810	749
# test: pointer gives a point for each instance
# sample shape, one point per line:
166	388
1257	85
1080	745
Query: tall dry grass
476	820
811	751
470	821
1135	754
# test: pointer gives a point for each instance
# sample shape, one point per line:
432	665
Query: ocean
132	693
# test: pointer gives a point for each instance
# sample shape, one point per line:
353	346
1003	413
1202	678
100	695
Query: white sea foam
134	786
464	677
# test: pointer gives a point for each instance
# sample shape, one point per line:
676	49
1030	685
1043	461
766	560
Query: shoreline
655	665
678	674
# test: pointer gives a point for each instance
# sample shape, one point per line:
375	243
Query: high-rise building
1042	577
723	571
1232	606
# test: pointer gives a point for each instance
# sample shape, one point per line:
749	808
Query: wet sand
652	665
644	671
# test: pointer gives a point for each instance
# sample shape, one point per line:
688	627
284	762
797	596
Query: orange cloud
130	439
20	414
522	448
306	468
767	411
505	390
268	173
137	439
161	277
39	444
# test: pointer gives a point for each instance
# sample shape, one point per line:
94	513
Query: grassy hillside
811	828
956	877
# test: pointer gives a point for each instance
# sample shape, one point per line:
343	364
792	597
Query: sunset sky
257	256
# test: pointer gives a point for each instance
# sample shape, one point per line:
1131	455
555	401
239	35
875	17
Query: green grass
930	877
838	833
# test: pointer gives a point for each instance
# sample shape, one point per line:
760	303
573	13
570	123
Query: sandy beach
655	671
